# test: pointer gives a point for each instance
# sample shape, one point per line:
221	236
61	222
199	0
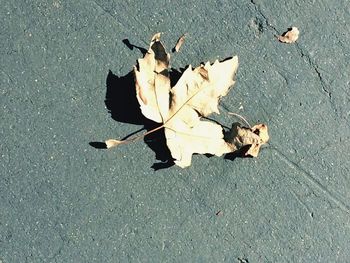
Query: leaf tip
179	43
156	37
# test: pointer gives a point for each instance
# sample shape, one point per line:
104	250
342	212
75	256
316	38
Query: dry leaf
289	36
180	108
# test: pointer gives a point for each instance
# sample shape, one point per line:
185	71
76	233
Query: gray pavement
64	200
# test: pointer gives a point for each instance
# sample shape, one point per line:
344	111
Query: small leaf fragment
290	36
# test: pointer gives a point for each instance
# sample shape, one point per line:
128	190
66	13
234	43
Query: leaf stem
240	117
136	138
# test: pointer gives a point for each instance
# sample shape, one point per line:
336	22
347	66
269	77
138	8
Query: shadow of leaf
123	106
98	145
241	153
121	99
131	46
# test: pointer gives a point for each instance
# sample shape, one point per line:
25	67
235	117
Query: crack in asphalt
313	65
303	54
310	178
266	20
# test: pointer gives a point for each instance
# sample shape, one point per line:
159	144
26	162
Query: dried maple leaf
289	36
180	108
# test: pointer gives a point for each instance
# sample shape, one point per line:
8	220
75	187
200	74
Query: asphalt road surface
66	87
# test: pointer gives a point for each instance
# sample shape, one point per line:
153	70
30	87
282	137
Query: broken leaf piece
195	95
289	36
